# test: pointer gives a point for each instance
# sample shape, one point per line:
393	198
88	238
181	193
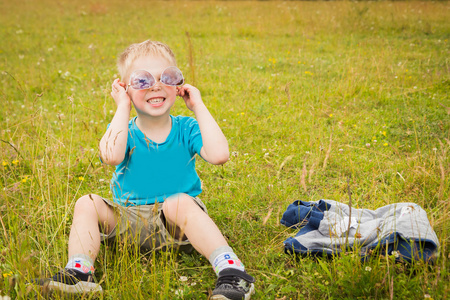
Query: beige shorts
145	224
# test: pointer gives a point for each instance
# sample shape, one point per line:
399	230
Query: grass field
308	94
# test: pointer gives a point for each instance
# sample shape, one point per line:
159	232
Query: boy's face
157	100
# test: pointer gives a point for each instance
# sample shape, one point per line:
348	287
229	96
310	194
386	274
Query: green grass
308	94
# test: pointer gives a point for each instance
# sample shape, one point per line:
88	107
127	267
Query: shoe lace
228	280
71	277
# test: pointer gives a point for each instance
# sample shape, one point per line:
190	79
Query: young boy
155	185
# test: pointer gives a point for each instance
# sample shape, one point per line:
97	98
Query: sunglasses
142	80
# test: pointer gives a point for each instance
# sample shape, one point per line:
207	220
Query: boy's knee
174	205
87	202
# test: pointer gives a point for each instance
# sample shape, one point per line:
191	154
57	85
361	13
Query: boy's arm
114	142
215	145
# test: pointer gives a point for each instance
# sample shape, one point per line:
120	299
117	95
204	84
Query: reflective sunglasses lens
141	80
172	76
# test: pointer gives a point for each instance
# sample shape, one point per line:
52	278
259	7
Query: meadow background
309	94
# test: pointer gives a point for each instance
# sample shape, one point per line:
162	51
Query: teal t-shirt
151	172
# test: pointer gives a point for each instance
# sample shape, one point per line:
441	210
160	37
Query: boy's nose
157	86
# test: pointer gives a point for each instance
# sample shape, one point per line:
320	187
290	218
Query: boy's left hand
191	96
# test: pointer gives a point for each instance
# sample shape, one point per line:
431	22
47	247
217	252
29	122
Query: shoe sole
246	297
79	288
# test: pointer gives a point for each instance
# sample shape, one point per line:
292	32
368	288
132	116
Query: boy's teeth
158	100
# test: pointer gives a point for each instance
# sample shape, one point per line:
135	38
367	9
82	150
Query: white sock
82	263
224	258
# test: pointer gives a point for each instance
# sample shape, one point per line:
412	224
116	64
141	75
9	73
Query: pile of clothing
329	228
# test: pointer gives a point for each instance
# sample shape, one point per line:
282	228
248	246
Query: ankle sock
224	258
82	263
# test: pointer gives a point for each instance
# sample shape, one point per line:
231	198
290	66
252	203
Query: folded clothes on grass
327	227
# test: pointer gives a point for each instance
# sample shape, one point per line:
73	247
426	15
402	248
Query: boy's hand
191	96
119	94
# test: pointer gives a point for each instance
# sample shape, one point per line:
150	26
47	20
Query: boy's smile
156	101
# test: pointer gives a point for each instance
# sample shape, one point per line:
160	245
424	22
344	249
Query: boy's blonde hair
146	48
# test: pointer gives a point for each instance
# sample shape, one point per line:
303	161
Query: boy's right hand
119	94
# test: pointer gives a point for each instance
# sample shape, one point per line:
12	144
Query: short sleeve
195	141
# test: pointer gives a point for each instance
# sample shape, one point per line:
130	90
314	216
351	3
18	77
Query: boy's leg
90	213
181	212
185	217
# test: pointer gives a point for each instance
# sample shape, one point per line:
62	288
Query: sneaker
70	281
233	284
